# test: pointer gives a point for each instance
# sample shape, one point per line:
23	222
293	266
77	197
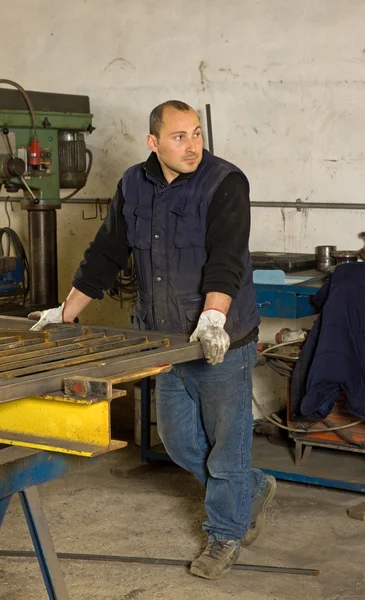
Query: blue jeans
204	417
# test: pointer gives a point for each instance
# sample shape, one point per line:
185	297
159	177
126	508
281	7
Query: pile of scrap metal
282	356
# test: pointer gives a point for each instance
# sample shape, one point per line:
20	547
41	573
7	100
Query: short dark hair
156	116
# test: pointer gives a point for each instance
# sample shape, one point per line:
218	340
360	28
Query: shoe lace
216	549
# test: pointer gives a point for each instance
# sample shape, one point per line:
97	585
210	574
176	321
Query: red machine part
34	153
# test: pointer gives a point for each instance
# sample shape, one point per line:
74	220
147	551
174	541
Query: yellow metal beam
59	423
74	423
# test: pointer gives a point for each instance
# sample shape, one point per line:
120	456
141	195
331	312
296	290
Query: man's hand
66	313
210	332
46	317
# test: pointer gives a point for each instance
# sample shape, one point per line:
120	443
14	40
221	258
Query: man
185	215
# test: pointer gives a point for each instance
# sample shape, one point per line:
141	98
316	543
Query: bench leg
43	545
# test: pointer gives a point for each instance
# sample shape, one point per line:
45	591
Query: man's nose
191	145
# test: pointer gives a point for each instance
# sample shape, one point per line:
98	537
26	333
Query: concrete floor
157	512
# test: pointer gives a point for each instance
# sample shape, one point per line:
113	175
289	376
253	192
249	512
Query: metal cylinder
345	256
11	167
324	258
42	229
72	159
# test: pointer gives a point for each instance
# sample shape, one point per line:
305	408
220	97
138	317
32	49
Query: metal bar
209	128
255	203
323	444
28	335
42	542
19	346
83	338
62	445
161	561
65	201
79	359
141	374
319	205
9	340
343	434
312	480
51	352
145	417
24	349
45	383
4	505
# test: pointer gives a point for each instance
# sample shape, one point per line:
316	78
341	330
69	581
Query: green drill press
42	150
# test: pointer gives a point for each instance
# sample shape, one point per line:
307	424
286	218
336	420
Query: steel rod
26	348
316	205
160	561
52	352
209	128
80	358
256	204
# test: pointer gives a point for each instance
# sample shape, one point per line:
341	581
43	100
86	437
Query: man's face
179	147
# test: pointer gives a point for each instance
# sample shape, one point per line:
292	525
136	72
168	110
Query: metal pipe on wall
316	205
209	128
42	232
256	204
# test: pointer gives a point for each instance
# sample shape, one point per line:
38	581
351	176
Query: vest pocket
130	222
139	226
142	313
190	227
190	308
143	234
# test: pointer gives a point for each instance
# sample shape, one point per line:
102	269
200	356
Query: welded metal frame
178	350
75	418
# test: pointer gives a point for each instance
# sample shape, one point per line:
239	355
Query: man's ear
152	142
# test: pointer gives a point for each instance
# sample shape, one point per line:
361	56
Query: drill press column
42	232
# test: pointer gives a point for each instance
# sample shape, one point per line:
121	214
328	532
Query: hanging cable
27	100
305	429
124	287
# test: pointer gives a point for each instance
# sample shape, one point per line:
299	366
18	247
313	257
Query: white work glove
210	333
46	317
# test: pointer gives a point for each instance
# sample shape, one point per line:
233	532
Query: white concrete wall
285	80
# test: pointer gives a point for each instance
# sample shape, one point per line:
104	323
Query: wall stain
125	134
283	217
309	195
203	78
128	138
229	70
124	63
